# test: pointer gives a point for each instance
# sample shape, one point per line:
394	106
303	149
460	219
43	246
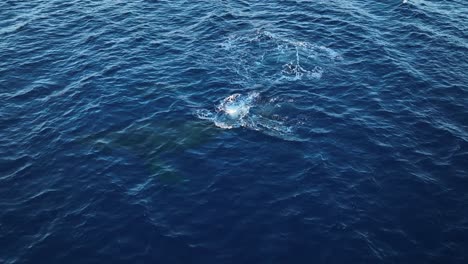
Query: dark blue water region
233	131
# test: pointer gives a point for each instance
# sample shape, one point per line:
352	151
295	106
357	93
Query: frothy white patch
235	111
237	106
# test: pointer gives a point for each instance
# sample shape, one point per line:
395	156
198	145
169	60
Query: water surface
233	131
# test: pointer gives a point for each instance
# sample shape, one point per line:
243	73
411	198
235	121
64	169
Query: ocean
233	131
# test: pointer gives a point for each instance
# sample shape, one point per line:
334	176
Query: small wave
252	112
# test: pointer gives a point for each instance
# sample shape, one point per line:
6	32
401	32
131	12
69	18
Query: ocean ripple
242	131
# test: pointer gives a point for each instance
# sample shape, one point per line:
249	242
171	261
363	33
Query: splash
232	112
252	112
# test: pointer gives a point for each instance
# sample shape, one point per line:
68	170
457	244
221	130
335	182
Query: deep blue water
233	131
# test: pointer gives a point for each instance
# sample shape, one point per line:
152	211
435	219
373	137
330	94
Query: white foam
235	111
263	56
237	106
